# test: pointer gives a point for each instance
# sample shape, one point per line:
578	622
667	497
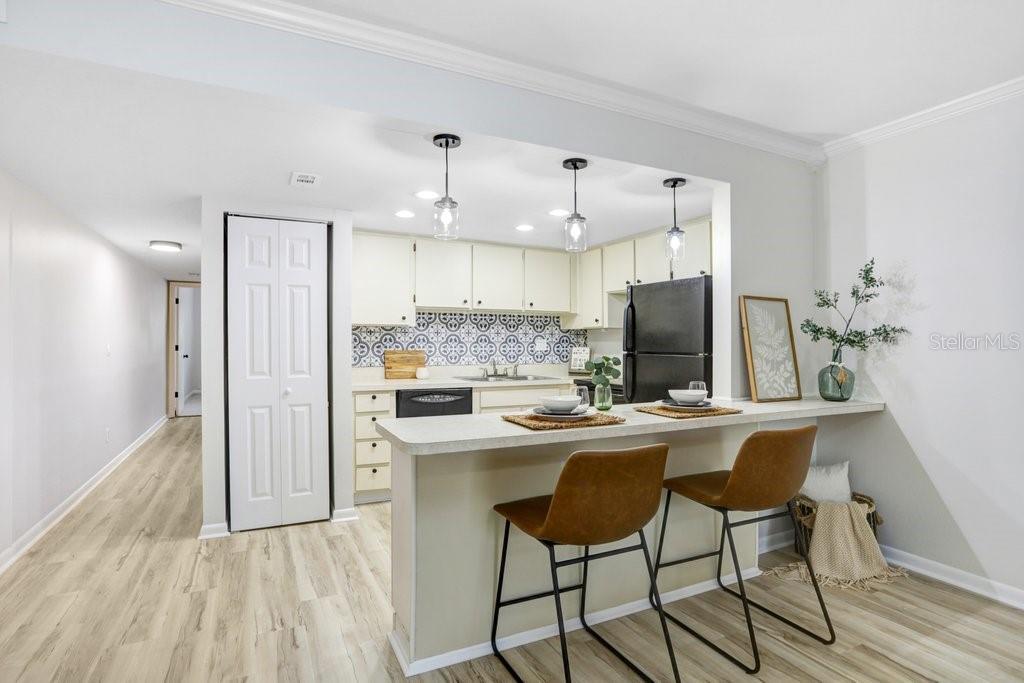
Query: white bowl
690	396
560	404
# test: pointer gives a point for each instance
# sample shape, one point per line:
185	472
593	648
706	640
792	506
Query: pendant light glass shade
446	209
675	244
446	219
575	228
575	232
675	237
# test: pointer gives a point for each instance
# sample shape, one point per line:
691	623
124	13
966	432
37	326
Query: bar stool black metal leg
743	597
658	606
497	607
558	612
814	582
661	544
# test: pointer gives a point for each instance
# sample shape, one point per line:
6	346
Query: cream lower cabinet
497	278
372	454
587	292
382	280
546	281
444	274
515	399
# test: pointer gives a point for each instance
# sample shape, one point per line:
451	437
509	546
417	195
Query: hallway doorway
184	350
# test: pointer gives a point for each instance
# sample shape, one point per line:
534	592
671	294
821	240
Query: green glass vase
835	381
603	397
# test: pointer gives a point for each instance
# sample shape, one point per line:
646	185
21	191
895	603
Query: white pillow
828	482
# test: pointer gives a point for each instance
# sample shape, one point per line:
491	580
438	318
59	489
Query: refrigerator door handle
628	377
629	325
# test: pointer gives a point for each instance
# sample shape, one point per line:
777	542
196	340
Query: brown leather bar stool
601	497
769	471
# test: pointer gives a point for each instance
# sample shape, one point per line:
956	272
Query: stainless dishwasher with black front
426	402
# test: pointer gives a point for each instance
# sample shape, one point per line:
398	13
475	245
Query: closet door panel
304	443
253	393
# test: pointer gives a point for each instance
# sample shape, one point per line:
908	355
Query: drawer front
373	403
373	452
373	478
366	426
518	397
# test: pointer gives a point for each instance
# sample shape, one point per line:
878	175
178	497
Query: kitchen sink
503	378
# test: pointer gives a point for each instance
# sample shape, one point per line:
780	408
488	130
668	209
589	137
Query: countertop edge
449	383
534	438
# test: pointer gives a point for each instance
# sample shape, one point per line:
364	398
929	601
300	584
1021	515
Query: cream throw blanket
843	550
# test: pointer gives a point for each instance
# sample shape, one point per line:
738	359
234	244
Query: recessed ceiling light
164	245
558	212
427	194
525	227
404	213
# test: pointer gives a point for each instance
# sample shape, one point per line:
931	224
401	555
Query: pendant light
446	209
675	237
575	224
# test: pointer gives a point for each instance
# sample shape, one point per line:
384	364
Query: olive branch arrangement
603	370
866	289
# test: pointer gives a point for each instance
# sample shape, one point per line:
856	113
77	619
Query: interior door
303	371
186	348
277	372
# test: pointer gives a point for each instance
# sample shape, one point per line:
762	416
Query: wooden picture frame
770	349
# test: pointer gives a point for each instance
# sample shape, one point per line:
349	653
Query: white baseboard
29	538
1000	592
344	515
215	530
420	666
774	541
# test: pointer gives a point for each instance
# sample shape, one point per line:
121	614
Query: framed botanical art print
771	352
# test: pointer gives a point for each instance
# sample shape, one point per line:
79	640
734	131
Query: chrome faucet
515	369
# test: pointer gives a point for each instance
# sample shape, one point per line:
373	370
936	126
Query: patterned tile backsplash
470	339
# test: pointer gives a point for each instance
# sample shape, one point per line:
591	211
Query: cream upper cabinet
588	292
697	256
651	258
546	281
444	274
618	266
497	278
382	280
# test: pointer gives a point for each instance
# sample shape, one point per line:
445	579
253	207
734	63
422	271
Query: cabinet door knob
465	301
597	320
373	397
627	282
403	317
373	419
373	445
478	302
531	303
374	470
639	281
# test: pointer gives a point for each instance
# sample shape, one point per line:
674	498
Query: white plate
669	403
565	417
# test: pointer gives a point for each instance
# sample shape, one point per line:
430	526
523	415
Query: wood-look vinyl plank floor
122	590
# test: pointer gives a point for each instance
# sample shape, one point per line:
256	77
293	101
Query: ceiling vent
304	179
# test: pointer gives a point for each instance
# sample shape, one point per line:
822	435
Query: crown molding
961	105
288	16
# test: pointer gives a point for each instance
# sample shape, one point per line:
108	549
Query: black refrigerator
666	337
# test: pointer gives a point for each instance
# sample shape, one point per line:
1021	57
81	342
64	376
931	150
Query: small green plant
866	289
604	370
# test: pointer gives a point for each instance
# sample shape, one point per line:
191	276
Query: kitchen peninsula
448	472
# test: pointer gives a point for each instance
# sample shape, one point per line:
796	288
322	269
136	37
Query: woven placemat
536	422
683	414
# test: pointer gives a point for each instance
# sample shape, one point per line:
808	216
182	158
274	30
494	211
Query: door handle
287	391
185	356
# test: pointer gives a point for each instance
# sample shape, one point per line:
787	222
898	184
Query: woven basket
804	510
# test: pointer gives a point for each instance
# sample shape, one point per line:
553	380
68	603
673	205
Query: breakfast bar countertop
464	433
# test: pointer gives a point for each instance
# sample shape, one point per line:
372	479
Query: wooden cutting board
400	364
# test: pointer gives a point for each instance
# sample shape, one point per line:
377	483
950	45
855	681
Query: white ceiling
817	69
130	154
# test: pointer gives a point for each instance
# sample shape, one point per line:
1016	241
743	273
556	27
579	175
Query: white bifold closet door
277	372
